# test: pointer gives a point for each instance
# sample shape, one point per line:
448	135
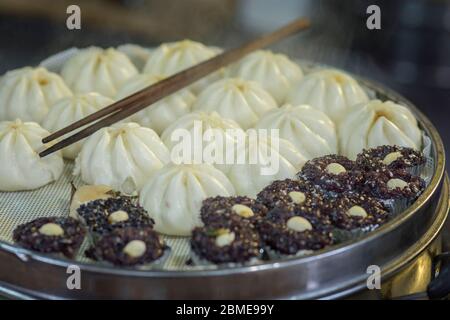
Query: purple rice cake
282	193
354	214
220	211
128	246
287	232
236	244
392	157
396	188
332	174
51	235
104	215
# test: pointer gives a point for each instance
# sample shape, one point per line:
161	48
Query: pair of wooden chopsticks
126	107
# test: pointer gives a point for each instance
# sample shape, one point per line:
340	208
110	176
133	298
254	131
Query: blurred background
411	53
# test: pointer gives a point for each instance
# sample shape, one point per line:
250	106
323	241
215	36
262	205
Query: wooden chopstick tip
46	152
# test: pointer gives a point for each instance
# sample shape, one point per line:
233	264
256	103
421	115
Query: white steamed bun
71	109
96	69
161	114
330	91
173	196
122	156
196	125
241	100
378	123
173	57
308	129
21	168
274	71
27	93
266	160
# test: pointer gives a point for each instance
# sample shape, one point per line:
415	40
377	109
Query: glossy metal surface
336	272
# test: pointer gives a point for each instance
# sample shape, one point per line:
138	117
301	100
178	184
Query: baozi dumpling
173	57
330	91
27	93
173	196
21	168
96	69
162	113
195	126
71	109
266	160
137	54
241	100
122	156
274	71
378	123
308	129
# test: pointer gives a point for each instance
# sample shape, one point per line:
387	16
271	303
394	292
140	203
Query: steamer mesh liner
53	200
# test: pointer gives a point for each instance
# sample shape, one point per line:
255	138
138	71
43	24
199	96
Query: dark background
411	53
